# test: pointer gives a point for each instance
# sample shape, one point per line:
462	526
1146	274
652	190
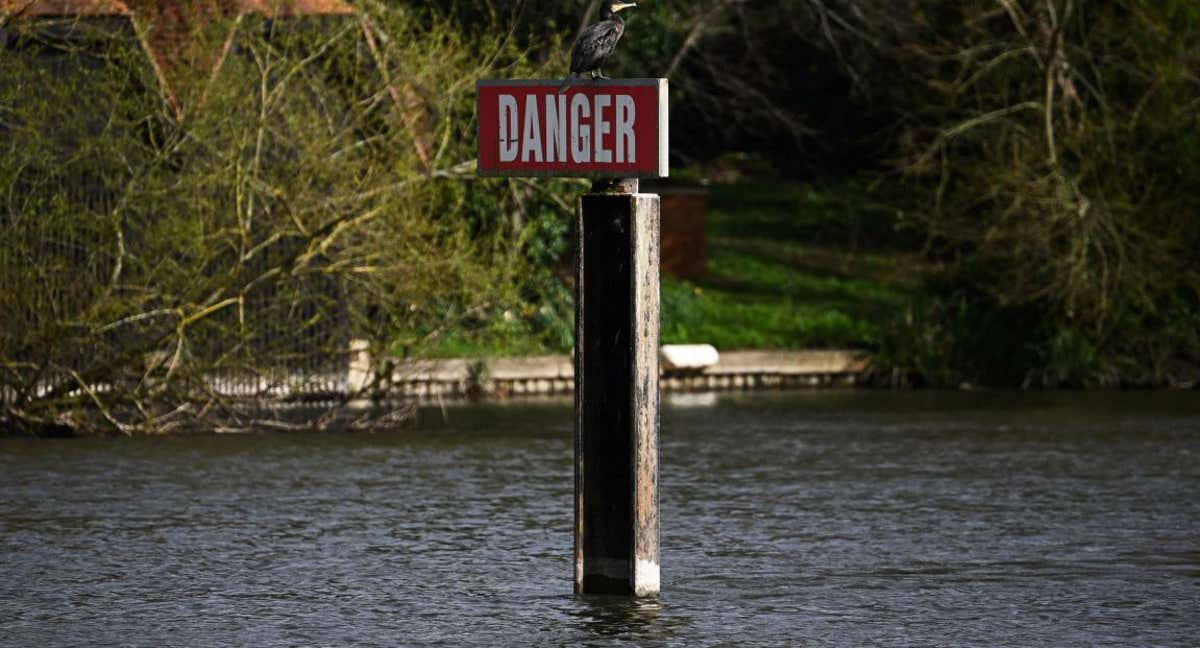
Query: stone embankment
554	375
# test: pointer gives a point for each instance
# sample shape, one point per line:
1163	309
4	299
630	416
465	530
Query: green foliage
1053	168
318	186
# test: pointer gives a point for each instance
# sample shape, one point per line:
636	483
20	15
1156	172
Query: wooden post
616	391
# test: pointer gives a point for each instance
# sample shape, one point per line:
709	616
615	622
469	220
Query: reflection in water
824	518
692	399
615	616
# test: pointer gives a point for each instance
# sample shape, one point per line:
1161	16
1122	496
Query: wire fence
279	343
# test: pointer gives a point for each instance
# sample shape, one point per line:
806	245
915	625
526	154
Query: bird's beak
623	5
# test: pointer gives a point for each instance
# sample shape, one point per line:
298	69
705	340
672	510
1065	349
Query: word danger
600	129
608	128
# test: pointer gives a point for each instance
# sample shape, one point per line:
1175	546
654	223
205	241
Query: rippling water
828	518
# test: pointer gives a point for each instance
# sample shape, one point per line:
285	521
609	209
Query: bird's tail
566	82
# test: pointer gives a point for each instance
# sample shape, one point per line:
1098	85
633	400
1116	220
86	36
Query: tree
164	269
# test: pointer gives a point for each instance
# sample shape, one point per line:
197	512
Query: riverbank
830	265
788	266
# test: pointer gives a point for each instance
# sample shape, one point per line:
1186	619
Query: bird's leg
600	74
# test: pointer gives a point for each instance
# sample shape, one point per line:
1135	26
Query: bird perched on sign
597	43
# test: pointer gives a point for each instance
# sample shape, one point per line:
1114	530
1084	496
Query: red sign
602	128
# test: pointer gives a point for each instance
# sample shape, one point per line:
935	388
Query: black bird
597	43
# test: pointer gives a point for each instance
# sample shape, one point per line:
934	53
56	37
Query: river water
803	519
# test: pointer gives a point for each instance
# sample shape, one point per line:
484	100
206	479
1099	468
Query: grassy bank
789	267
792	266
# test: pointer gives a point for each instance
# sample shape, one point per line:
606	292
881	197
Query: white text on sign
605	128
598	128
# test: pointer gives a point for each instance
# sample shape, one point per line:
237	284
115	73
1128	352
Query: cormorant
597	43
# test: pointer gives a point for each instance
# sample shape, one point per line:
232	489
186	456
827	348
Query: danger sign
604	128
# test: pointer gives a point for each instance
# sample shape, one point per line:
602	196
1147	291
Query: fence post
616	391
358	372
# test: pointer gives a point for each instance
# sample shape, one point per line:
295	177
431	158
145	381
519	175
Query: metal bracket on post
616	391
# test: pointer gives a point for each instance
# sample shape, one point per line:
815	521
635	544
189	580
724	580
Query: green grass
791	267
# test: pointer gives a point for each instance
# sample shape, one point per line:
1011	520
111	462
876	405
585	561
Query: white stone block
683	357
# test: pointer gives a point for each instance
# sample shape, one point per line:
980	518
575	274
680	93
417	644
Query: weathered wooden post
616	391
615	131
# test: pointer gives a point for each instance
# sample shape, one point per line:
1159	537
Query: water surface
808	519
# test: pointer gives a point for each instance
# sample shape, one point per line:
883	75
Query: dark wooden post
616	391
